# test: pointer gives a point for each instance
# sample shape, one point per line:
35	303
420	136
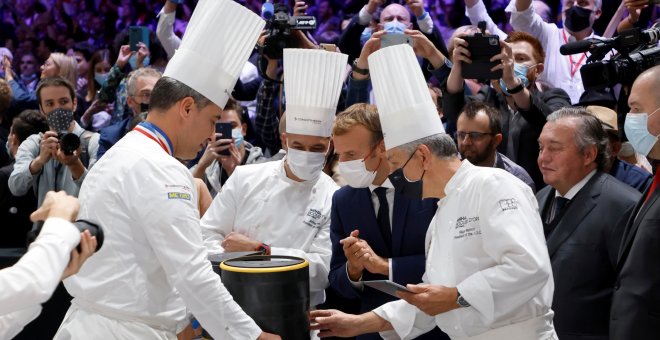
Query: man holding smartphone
227	150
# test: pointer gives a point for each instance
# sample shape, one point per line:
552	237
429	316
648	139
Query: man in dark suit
523	106
584	212
635	310
376	234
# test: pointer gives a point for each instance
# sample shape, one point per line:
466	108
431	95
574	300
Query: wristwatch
516	89
461	301
362	71
263	248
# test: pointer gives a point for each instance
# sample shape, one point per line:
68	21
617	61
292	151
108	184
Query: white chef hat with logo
405	107
217	43
312	83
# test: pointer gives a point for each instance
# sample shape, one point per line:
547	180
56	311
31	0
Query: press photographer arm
50	258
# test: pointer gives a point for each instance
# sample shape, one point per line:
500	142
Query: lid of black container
264	264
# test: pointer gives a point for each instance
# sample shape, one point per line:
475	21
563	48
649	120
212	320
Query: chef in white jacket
51	257
488	273
284	206
153	268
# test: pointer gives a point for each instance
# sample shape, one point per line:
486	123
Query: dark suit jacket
520	129
583	249
353	209
636	301
111	134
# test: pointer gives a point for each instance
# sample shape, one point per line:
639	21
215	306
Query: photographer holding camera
50	258
523	106
58	159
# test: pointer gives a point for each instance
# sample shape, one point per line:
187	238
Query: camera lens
69	143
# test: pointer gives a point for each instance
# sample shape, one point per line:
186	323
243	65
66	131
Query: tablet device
482	48
386	286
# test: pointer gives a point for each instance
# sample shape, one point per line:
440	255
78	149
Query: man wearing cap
153	269
636	303
487	273
283	207
625	172
369	219
584	212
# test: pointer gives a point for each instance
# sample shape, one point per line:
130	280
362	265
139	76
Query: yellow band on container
229	268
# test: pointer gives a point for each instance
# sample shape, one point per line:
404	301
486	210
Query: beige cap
405	107
217	43
312	83
606	116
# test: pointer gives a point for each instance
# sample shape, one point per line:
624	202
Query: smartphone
138	34
225	130
329	47
386	286
392	39
482	48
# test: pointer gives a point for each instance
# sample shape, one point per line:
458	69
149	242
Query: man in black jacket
584	212
349	42
523	106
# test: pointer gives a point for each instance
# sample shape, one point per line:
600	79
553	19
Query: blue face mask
237	134
638	133
394	27
366	35
133	61
100	78
520	72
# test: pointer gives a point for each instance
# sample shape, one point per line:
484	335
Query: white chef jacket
557	71
487	240
146	202
293	218
32	280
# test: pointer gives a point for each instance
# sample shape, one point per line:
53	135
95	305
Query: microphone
576	47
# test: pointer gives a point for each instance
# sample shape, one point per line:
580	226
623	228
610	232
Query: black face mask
144	107
402	186
577	18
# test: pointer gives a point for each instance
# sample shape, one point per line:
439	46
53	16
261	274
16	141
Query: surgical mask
237	135
133	61
577	18
100	78
144	107
60	119
29	78
356	174
520	72
8	148
366	35
638	133
394	27
403	186
304	164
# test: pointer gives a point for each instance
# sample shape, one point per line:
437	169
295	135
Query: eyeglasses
475	136
144	96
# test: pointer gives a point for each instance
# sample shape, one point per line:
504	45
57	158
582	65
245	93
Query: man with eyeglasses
376	233
139	86
479	132
522	103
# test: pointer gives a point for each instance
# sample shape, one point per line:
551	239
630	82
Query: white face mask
356	174
304	164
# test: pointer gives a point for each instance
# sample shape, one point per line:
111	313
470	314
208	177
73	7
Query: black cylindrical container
273	290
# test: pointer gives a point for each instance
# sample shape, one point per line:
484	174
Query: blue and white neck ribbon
157	135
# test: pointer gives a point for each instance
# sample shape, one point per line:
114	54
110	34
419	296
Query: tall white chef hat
217	43
406	110
312	81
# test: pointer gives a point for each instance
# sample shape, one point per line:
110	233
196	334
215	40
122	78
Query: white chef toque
405	107
312	84
217	43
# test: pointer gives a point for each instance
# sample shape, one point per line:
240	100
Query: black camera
82	225
69	142
279	25
637	52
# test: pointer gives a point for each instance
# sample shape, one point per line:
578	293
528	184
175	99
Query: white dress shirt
560	71
487	240
293	218
153	263
32	280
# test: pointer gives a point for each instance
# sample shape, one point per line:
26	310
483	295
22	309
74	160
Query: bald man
413	16
635	312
